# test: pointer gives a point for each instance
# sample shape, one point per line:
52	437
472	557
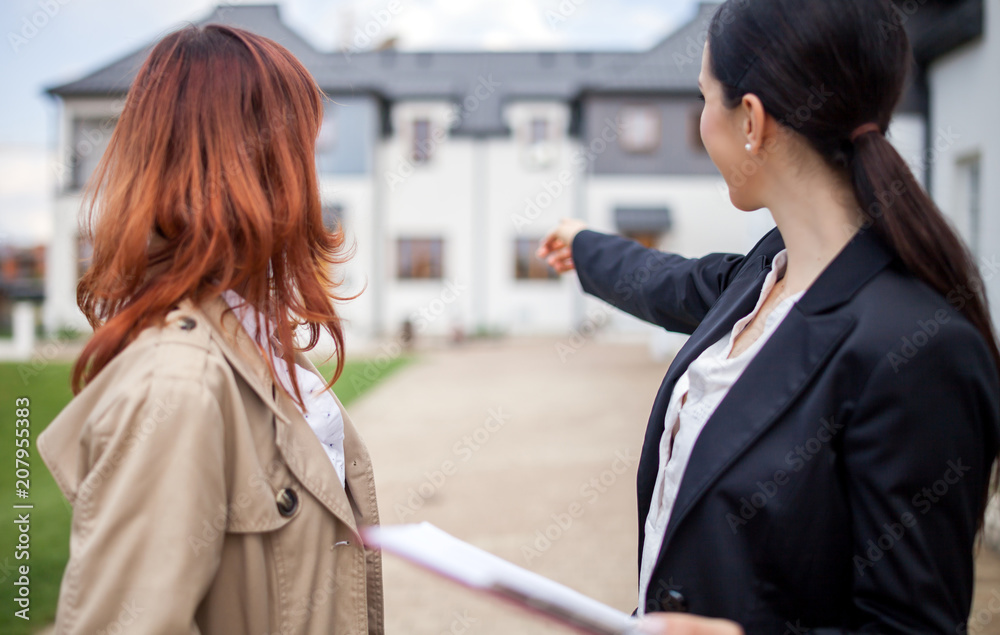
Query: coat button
288	502
675	601
186	323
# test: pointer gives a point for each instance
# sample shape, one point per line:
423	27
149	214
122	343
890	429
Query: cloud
498	24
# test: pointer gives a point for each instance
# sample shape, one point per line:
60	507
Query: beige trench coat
202	501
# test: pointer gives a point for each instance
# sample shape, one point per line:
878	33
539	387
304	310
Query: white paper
426	545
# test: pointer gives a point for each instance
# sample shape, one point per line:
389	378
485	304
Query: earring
748	147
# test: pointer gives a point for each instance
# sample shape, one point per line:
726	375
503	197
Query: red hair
214	152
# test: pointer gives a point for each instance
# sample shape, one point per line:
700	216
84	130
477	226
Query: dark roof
940	26
453	75
672	66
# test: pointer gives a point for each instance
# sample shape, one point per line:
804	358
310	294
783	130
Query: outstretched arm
661	288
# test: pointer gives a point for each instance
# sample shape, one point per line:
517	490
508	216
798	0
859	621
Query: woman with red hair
202	501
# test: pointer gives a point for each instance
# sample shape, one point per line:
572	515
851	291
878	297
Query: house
958	46
446	168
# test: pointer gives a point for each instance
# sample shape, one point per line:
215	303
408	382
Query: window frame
434	246
655	140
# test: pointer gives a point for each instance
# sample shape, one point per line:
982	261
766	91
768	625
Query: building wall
705	221
965	129
346	143
429	200
62	258
677	151
964	92
908	133
530	187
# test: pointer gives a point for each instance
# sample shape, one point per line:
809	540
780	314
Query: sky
48	42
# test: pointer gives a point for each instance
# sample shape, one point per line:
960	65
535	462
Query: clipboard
441	553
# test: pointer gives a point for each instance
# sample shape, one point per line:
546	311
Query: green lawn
47	387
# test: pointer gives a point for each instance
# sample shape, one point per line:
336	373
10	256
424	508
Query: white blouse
322	412
705	382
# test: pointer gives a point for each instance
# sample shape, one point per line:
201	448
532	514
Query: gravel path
522	451
502	444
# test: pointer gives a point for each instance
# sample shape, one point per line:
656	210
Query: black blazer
839	484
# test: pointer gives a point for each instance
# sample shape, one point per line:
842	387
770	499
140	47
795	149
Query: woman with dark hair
217	484
818	457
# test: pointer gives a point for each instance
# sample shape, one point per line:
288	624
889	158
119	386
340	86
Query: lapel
296	441
737	302
780	371
358	469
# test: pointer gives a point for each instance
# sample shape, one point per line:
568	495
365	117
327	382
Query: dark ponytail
906	218
825	69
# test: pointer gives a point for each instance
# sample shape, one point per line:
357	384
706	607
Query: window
539	131
645	225
694	131
326	142
421	140
968	208
333	217
646	239
90	139
527	266
419	258
640	129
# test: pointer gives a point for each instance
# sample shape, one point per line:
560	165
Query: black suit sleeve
661	288
917	455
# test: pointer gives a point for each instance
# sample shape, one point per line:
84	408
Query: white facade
62	257
704	219
479	195
964	93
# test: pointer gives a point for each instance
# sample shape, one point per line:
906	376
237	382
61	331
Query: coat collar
806	338
295	439
857	263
